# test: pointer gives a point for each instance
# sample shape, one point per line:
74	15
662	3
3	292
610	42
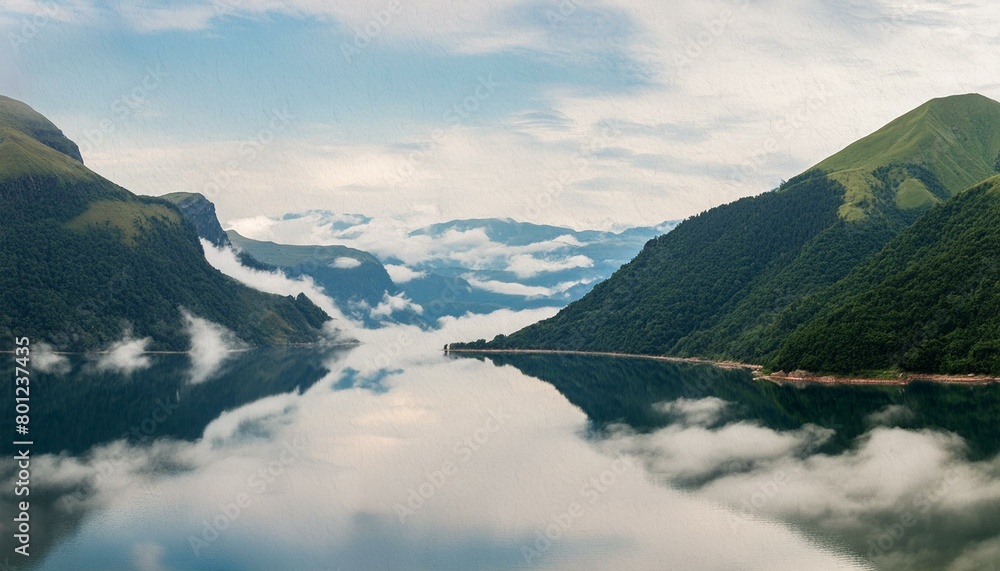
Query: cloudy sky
587	114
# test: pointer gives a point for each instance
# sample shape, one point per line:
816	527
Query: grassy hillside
955	138
738	280
86	261
16	116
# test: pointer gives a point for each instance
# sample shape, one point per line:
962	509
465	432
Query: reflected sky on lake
401	458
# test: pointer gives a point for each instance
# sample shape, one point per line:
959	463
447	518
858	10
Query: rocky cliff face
201	212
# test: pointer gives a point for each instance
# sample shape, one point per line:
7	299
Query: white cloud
471	28
211	345
35	14
224	260
46	360
981	555
402	435
253	226
392	303
702	412
514	288
181	16
686	452
890	415
269	413
526	266
346	263
401	274
764	498
126	356
390	238
900	497
509	288
737	95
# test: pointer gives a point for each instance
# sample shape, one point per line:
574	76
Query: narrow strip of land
757	370
720	364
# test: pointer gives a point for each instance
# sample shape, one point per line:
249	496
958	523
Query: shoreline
692	360
777	378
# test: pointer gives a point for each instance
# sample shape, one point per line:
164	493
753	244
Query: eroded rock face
201	212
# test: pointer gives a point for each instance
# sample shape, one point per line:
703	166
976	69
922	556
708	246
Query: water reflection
624	391
905	477
400	458
86	407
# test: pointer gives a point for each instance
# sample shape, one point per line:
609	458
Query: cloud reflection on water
319	478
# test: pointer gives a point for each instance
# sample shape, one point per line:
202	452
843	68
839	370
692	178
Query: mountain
956	138
200	211
350	277
928	302
737	281
520	265
87	262
468	266
354	280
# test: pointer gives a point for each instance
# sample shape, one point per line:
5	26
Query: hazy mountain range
446	269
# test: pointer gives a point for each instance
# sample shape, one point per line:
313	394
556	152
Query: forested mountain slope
86	261
736	281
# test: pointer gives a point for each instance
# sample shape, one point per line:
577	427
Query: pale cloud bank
126	356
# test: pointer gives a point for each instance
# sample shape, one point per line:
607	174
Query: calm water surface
392	456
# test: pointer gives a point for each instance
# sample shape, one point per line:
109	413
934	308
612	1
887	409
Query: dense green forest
86	261
929	301
864	263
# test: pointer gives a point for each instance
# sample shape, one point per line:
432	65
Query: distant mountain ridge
88	262
750	280
462	266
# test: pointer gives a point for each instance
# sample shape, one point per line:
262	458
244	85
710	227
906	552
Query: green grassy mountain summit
737	281
86	261
955	138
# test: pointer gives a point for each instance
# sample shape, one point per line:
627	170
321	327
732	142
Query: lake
390	455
